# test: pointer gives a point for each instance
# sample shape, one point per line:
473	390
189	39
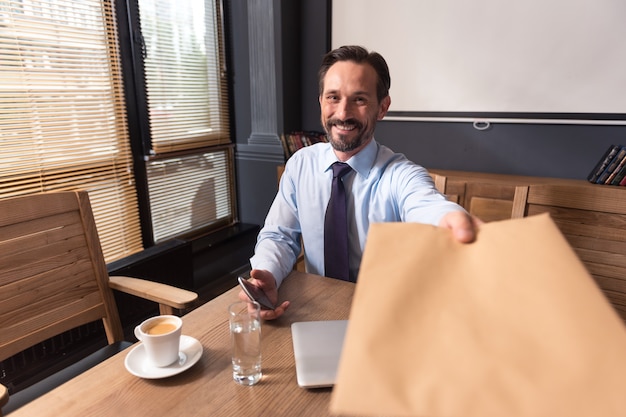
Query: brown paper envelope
511	325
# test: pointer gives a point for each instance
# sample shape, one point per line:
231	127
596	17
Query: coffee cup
160	336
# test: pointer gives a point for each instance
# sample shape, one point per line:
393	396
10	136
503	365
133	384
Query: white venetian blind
200	186
190	172
62	112
184	71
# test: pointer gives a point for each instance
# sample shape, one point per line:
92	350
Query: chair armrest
4	397
167	296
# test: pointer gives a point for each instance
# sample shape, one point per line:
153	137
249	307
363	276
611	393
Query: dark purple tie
336	263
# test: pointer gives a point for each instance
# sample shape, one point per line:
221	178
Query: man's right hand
265	281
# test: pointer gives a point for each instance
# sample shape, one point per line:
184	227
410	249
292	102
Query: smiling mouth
344	125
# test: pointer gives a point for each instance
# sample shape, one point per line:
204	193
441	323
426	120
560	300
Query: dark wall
300	46
305	40
315	42
560	151
239	67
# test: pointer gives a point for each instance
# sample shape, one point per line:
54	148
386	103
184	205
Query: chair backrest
53	277
441	184
489	201
593	220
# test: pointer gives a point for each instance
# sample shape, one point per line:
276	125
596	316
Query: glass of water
245	336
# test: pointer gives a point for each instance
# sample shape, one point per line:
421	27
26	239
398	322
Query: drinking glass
245	336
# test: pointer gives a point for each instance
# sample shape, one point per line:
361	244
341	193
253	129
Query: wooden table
207	388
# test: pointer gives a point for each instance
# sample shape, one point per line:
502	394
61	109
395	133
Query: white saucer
137	363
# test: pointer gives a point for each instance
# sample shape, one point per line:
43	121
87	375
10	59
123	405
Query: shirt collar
362	162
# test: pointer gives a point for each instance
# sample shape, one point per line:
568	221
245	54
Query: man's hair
359	55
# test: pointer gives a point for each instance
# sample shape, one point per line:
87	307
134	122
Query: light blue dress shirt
383	187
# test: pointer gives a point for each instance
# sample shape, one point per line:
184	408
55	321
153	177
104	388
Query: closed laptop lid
317	349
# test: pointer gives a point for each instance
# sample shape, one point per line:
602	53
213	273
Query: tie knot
340	169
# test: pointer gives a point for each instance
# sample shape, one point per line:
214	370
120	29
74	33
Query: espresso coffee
160	336
161	327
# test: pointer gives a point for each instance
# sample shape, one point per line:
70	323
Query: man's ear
384	106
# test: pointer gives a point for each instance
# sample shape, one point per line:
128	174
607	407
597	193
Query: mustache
350	121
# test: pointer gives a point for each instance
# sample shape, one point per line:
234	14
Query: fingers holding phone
255	293
262	288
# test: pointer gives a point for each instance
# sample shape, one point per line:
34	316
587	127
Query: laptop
317	349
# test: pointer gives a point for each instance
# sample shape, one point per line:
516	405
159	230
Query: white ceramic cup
160	336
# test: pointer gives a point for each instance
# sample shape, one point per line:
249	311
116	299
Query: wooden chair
53	278
593	220
489	201
445	187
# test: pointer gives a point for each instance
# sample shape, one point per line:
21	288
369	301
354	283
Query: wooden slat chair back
593	220
441	184
489	201
53	276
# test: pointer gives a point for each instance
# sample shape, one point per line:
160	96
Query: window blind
62	112
185	75
190	192
190	170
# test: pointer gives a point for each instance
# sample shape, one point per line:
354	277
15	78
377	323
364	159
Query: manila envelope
511	325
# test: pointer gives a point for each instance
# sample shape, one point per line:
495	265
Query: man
381	186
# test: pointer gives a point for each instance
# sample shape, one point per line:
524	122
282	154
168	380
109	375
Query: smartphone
256	294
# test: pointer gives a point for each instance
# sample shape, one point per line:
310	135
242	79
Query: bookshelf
294	141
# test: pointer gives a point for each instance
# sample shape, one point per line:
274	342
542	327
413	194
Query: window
64	121
185	76
189	192
62	112
189	171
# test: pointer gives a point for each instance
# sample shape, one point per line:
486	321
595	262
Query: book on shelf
294	141
603	163
616	171
605	177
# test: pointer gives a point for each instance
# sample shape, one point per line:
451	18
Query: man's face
349	106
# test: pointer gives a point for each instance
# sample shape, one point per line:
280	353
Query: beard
343	143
